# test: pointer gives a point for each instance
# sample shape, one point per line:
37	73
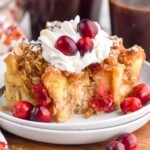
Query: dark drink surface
130	19
50	10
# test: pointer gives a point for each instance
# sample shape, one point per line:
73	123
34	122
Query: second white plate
72	137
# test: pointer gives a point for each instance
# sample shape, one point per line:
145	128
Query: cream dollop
76	63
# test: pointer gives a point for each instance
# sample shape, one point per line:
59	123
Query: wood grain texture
18	143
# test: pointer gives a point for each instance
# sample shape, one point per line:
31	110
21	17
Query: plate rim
146	117
72	137
79	123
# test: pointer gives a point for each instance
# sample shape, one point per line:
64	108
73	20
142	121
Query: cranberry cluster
25	110
88	30
40	113
127	141
101	103
139	96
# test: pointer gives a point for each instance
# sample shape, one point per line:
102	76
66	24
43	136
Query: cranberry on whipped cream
77	62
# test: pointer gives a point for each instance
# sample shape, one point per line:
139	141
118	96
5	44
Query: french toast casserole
29	76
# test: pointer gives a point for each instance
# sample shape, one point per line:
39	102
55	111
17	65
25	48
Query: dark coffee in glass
130	19
50	10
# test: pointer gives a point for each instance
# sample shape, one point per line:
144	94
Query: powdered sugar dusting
35	45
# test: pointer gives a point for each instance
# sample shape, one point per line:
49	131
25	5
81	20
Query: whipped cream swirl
75	63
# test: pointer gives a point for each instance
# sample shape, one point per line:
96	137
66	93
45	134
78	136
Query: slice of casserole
40	74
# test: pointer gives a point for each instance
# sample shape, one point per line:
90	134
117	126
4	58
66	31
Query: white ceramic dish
72	137
79	122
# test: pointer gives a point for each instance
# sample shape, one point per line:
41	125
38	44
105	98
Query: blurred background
31	15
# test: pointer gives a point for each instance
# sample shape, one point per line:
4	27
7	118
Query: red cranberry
101	103
87	28
40	113
41	94
66	45
3	145
141	91
115	145
85	44
130	104
129	140
95	67
22	109
111	108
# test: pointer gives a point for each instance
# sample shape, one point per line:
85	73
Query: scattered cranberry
129	140
130	104
101	103
115	145
85	44
141	91
95	67
40	113
87	28
66	45
22	109
110	109
41	94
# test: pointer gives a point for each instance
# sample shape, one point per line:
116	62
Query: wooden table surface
18	143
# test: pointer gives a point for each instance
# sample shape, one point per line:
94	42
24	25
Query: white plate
72	137
79	122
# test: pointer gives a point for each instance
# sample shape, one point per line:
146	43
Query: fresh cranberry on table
115	145
40	113
141	91
129	140
41	95
130	104
85	44
22	109
88	28
101	103
66	45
